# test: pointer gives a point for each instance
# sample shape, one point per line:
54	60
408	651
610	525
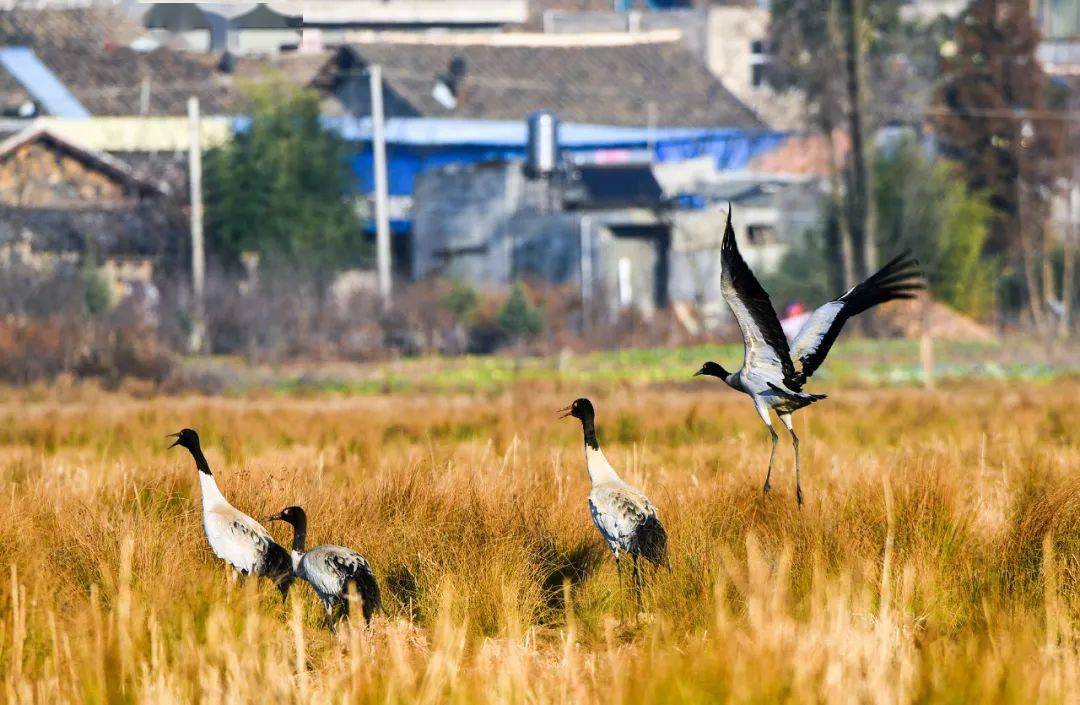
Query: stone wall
36	176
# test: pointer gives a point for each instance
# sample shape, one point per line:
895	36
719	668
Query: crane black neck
200	459
588	427
299	525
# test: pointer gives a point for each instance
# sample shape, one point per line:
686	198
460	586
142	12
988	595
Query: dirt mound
905	318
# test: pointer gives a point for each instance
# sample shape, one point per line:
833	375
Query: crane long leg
763	412
637	585
787	421
622	590
331	623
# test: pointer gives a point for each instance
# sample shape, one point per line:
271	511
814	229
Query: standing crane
625	517
330	570
235	537
773	374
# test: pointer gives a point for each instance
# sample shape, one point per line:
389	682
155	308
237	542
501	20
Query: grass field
857	362
936	560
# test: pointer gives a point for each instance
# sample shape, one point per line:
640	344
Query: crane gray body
330	571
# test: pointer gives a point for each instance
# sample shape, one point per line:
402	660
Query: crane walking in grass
773	374
330	570
235	537
625	517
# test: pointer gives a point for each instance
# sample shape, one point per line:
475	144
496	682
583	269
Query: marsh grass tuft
936	560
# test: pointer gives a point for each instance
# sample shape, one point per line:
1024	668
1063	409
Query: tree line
989	147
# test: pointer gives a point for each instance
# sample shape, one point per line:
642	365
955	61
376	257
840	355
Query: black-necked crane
235	537
773	374
330	570
625	517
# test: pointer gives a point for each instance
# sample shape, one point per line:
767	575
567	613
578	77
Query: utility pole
859	206
144	96
198	342
382	216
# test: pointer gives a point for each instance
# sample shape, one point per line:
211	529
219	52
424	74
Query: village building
63	203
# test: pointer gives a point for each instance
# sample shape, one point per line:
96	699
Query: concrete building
604	230
1059	24
623	245
275	27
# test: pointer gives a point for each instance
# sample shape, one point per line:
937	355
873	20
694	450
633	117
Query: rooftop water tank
542	150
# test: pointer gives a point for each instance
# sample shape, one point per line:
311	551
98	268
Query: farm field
936	560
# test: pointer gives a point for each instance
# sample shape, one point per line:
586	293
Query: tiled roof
623	82
87	50
12	94
110	82
294	68
113	167
803	155
537	9
97	25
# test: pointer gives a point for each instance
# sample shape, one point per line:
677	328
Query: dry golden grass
936	559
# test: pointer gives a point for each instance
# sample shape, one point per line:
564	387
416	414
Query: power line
985	113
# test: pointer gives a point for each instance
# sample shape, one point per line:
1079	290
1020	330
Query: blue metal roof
41	83
434	132
503	133
415	145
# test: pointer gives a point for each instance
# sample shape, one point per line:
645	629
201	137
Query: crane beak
273	517
699	372
568	411
176	436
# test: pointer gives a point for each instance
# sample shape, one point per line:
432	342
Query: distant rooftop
88	50
434	12
610	80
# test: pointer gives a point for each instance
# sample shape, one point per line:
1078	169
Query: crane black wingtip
729	233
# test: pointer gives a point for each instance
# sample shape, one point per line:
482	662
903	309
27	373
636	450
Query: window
758	235
626	286
1058	19
759	62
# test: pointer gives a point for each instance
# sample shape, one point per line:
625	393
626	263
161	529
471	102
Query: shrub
283	188
518	318
96	294
926	207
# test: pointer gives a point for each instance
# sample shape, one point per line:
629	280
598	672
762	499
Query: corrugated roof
42	84
505	133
